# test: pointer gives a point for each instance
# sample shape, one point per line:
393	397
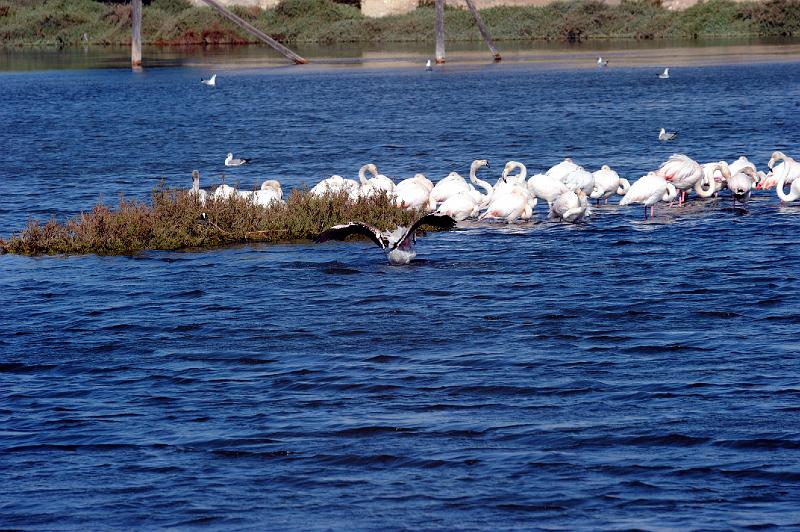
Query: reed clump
175	220
177	22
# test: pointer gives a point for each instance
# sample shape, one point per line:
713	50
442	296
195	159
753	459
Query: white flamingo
375	185
269	193
455	184
201	194
607	182
788	168
794	189
414	193
571	206
561	170
511	199
715	178
546	188
580	178
682	172
469	203
224	192
649	190
741	184
336	184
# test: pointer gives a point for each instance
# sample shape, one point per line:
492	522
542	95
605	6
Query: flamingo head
776	155
605	167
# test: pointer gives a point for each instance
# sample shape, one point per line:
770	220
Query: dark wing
340	232
245	161
440	221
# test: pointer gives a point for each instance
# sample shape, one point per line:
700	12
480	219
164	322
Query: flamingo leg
651	210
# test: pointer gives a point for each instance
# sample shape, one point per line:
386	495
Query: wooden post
252	30
483	30
439	32
136	36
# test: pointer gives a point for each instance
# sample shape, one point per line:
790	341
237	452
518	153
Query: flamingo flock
566	187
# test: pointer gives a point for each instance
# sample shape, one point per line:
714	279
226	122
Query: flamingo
468	203
336	184
224	192
201	194
682	172
715	178
269	193
399	245
794	189
788	168
414	193
547	188
377	184
511	199
571	206
210	82
607	182
741	184
649	190
454	184
561	170
580	178
664	75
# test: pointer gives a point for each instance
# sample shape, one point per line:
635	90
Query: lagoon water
615	374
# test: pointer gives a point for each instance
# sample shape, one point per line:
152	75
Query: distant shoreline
176	23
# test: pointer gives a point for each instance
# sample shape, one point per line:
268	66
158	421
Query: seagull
398	244
210	82
602	63
428	66
230	161
667	135
665	74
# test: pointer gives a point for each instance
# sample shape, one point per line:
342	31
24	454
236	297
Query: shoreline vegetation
175	220
177	23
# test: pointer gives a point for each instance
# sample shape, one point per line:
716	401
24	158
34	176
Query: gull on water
428	66
230	161
665	74
667	135
210	82
601	62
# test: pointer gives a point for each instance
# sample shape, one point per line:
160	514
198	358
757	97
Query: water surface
613	374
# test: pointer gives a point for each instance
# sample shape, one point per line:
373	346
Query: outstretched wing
340	232
440	221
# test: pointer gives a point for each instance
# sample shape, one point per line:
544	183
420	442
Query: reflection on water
623	52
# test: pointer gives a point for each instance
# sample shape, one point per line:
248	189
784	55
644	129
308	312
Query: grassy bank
175	22
172	221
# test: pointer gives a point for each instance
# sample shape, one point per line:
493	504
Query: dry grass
174	221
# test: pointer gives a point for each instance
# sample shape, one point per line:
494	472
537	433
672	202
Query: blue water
615	374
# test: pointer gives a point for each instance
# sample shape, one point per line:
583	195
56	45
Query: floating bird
210	82
665	74
546	187
230	161
601	62
649	190
667	135
399	245
428	66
